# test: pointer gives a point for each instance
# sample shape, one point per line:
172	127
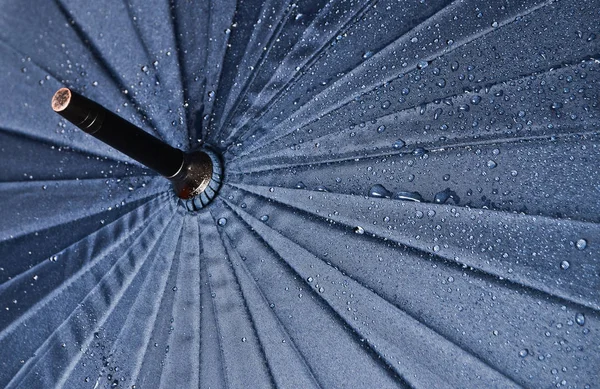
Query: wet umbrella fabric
312	268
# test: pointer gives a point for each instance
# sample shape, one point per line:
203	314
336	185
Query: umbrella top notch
195	176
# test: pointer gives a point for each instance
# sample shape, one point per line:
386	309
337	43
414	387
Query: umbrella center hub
199	182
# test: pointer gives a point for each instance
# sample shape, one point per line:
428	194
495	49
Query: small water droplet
491	164
380	129
565	265
309	279
386	104
523	353
580	319
359	230
264	218
422	64
222	221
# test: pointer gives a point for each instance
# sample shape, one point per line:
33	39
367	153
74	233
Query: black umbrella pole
190	173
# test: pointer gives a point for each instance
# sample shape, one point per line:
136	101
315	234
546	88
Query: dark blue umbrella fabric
410	197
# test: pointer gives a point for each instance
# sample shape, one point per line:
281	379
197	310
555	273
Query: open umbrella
404	194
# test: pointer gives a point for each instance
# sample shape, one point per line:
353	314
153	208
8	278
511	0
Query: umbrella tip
61	99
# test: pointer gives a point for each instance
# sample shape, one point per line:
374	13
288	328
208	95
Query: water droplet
565	265
367	54
264	218
211	94
445	195
491	164
523	353
408	196
441	83
321	289
475	99
580	319
422	64
419	214
300	185
309	279
145	69
386	104
359	230
398	144
222	221
379	191
380	129
581	244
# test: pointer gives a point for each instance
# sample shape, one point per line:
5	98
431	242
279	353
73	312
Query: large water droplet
445	195
580	319
581	244
379	190
408	196
398	144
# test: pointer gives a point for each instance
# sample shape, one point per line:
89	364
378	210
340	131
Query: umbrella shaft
113	130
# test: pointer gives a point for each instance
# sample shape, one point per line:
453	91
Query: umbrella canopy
409	195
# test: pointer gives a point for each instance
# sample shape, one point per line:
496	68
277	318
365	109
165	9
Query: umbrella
408	195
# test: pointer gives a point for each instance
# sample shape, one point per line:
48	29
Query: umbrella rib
459	143
438	256
145	346
218	330
368	290
204	129
32	61
150	259
296	75
113	74
25	369
75	149
244	301
283	131
180	61
29	272
241	271
372	352
230	109
209	112
407	111
8	284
